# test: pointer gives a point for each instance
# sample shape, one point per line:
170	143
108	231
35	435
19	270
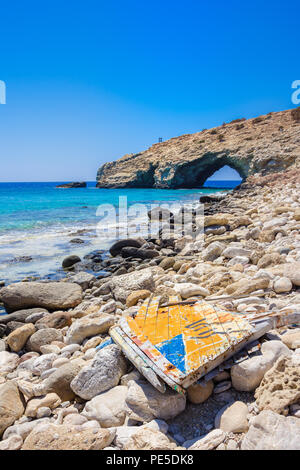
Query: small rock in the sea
69	261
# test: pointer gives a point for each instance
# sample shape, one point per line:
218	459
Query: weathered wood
183	341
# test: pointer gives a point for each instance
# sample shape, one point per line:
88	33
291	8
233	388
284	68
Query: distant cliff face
267	144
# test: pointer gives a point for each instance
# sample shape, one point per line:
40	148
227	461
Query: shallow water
38	220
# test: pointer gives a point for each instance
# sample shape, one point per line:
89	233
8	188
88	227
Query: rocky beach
63	386
59	390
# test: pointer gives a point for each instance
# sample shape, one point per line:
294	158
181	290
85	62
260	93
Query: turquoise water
38	220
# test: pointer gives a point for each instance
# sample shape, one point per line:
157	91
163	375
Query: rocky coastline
59	389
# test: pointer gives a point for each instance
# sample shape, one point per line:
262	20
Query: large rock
90	325
43	337
116	248
59	381
108	408
145	403
102	374
130	252
11	405
18	338
50	295
270	431
233	418
83	279
247	375
55	320
69	261
149	439
64	437
185	161
22	315
123	285
280	387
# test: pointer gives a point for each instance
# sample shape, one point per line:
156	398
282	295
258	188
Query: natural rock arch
194	174
268	144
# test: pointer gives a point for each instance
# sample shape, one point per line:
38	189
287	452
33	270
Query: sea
38	221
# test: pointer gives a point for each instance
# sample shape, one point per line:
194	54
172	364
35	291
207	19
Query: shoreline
251	248
35	252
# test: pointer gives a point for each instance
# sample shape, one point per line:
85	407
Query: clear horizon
89	83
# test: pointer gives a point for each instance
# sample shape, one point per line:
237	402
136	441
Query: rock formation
263	145
72	185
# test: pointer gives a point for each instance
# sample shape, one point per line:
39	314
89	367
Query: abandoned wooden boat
180	342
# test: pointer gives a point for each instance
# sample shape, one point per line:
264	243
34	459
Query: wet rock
145	403
77	184
69	261
270	431
108	408
116	248
130	252
102	374
49	295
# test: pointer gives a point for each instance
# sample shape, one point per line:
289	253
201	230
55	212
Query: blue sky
88	82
